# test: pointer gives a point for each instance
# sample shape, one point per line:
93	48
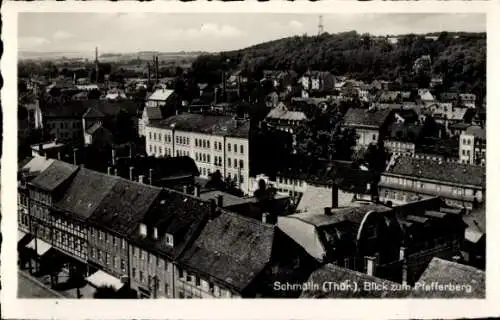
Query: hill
460	58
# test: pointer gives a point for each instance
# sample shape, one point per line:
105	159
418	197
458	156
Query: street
30	288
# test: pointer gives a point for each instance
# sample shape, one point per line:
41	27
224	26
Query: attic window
143	230
169	240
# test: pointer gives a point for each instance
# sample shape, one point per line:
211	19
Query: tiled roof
457	173
85	193
56	174
374	118
215	125
124	206
161	94
177	214
35	164
351	214
153	113
77	108
232	249
355	284
445	272
476	131
278	113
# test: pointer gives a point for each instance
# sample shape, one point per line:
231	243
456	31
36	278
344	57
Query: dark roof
355	284
232	249
216	125
124	206
404	132
56	174
162	167
177	214
477	132
93	113
85	193
352	214
463	174
373	118
77	108
445	272
153	113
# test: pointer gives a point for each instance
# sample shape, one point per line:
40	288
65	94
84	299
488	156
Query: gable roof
93	113
214	125
177	214
94	107
456	173
93	128
373	118
32	165
85	193
232	249
476	131
124	206
161	94
56	174
355	280
284	114
153	113
446	272
316	198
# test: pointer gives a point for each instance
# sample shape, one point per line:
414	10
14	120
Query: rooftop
373	118
471	280
330	273
212	125
161	94
56	174
476	131
456	173
232	249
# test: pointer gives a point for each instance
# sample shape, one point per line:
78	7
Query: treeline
459	58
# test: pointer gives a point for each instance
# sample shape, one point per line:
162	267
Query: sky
174	32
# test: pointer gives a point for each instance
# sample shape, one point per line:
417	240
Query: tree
215	180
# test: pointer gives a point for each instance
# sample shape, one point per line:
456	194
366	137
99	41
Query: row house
216	143
165	231
115	219
369	124
43	192
460	185
473	146
227	258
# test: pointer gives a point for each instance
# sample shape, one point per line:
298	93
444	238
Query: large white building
214	142
473	146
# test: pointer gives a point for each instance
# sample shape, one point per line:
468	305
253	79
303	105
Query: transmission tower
320	26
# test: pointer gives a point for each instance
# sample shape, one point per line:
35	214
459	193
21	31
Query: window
169	240
154	136
122	265
99	255
229	162
374	137
235	163
134	273
229	147
197	281
187	140
142	254
196	142
143	231
204	143
208	144
208	158
124	244
141	276
241	149
114	242
241	178
463	152
166	288
92	252
165	137
235	148
107	258
241	164
150	135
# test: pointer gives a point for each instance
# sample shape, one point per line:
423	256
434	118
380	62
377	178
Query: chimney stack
74	155
220	200
328	211
197	191
116	172
151	176
59	155
131	173
113	156
109	171
157	69
335	196
141	178
370	265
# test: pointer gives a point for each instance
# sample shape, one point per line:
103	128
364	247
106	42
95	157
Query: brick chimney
335	196
131	173
265	217
328	211
220	200
197	190
151	176
370	265
74	155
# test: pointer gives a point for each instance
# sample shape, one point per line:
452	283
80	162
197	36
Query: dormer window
169	240
143	230
155	233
